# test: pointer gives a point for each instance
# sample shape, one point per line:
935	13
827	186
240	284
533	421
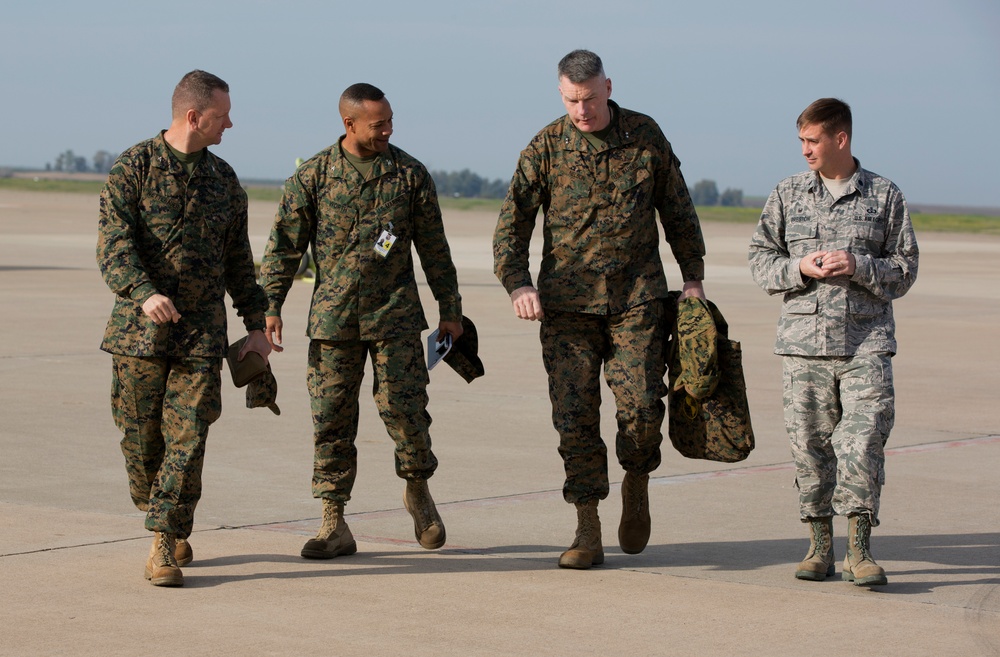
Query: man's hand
827	264
454	329
256	341
161	310
273	333
527	304
693	289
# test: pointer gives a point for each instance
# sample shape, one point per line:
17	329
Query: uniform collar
620	133
340	168
857	182
164	159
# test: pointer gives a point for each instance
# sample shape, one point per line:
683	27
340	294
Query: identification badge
384	243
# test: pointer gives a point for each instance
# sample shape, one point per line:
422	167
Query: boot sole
874	580
343	551
813	576
173	581
581	565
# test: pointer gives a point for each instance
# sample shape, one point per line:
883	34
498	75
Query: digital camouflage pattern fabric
400	392
160	232
837	335
835	317
163	231
838	414
358	293
574	346
156	397
601	245
363	303
708	409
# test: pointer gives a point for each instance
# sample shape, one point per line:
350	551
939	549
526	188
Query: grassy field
956	223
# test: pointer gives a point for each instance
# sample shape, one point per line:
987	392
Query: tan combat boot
859	565
334	538
819	562
427	524
586	550
161	566
183	552
633	531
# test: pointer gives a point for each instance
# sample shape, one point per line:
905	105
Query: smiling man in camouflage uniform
600	174
837	243
363	205
172	241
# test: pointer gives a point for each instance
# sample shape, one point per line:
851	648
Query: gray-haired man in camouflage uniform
837	243
363	205
600	174
172	241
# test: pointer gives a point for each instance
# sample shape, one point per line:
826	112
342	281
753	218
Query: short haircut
356	94
195	91
833	114
580	66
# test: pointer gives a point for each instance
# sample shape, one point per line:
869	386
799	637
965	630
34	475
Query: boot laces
331	517
588	528
863	533
821	538
164	554
635	496
420	505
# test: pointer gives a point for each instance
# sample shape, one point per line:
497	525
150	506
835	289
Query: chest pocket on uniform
867	237
395	211
802	235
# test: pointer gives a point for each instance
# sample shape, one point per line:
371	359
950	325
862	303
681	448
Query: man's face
214	120
371	128
823	151
587	102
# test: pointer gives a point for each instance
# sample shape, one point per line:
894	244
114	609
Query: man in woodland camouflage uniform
363	205
600	174
172	241
837	243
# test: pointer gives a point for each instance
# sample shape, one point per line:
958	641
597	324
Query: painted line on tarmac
307	526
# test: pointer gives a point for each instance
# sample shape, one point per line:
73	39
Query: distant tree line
465	184
70	162
705	192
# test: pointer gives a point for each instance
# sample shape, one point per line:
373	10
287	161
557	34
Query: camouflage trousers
838	414
164	407
334	376
630	348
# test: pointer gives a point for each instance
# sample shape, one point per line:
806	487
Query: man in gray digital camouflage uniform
172	240
363	205
837	243
600	174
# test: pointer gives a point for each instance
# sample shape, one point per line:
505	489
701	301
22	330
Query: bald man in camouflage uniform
363	205
837	243
172	241
600	174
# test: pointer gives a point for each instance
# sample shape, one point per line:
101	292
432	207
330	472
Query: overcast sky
471	82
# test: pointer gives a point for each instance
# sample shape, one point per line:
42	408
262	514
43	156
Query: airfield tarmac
716	578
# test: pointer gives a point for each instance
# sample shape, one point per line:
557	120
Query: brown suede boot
586	550
427	524
334	538
859	565
183	552
633	530
819	562
161	566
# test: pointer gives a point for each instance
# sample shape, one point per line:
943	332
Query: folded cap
263	391
464	354
246	370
